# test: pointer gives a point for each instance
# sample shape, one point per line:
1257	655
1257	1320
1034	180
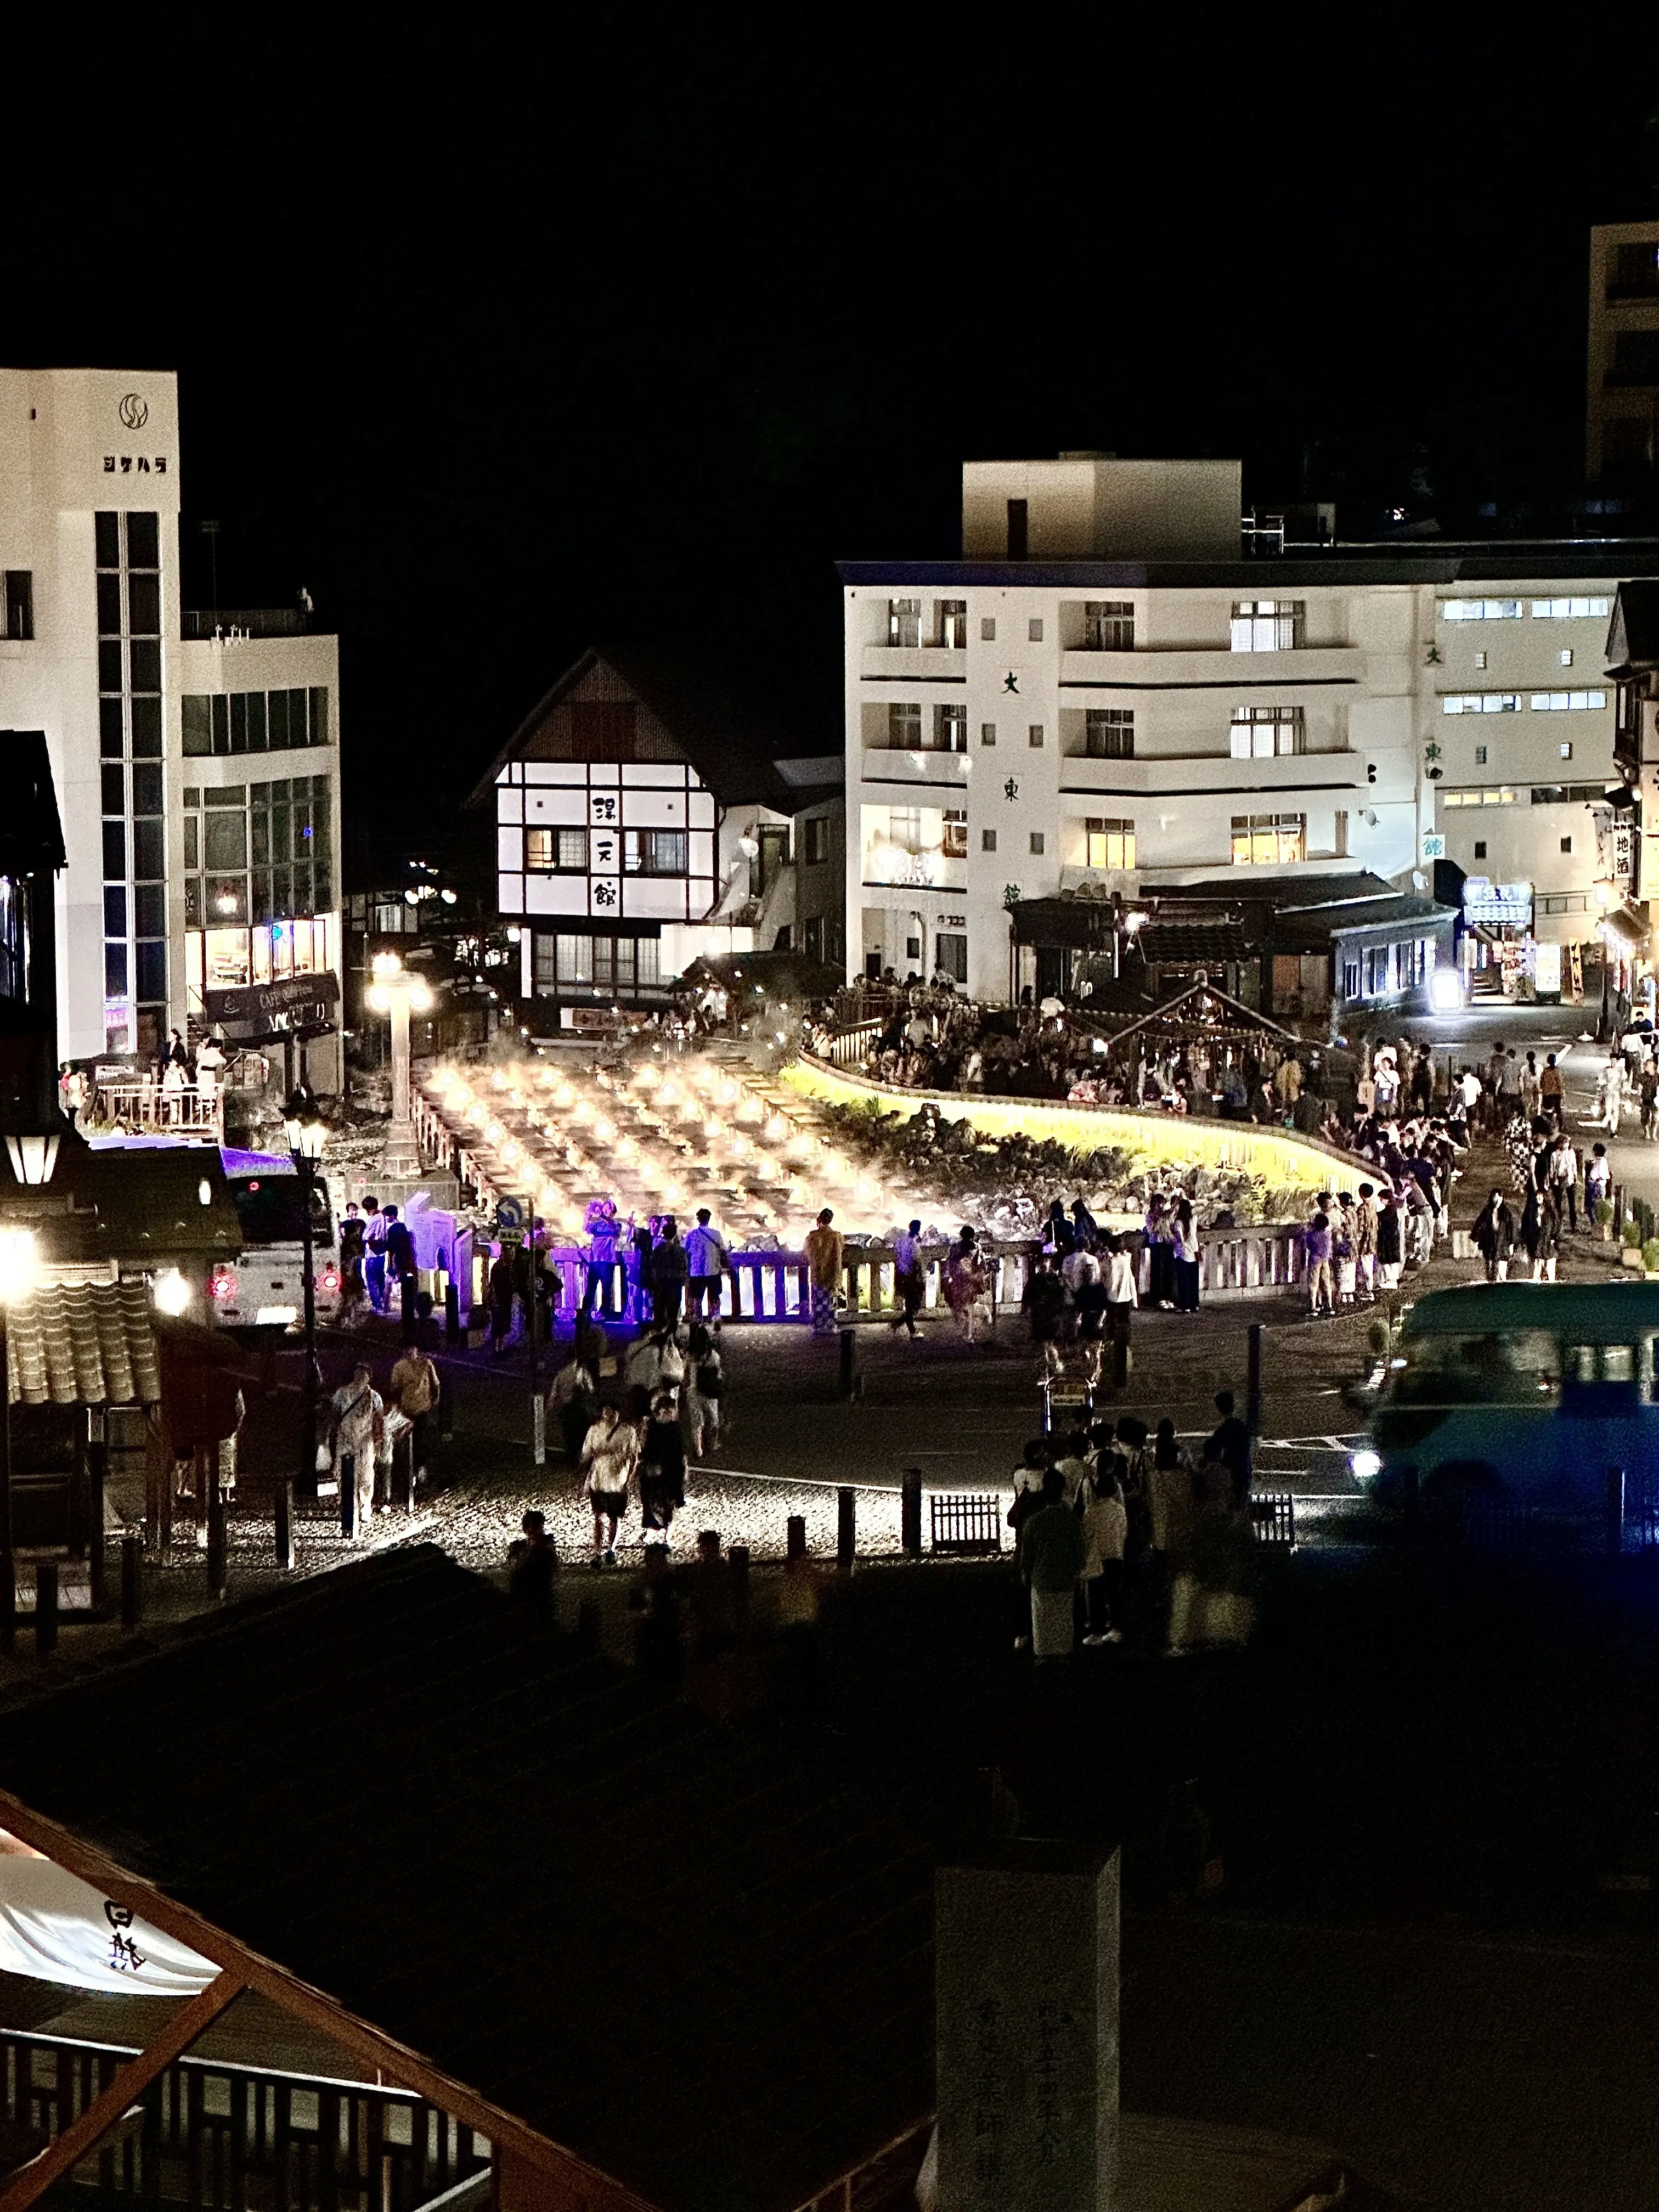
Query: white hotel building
196	758
1106	693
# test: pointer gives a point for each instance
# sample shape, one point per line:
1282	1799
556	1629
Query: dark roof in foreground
659	1943
1633	633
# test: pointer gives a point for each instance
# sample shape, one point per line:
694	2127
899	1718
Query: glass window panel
648	965
147	729
226	964
282	890
282	949
144	656
106	536
239	721
228	794
322	870
256	721
193	902
109	665
262	956
142	541
115	851
146	787
197	724
574	959
115	971
320	716
192	840
259	822
109	606
220	723
263	907
152	972
113	778
226	898
276	719
149	860
296	718
115	910
144	606
225	834
110	735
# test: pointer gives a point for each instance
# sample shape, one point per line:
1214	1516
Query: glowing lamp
170	1291
33	1156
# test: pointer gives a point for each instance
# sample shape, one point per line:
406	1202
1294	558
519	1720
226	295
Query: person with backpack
708	1257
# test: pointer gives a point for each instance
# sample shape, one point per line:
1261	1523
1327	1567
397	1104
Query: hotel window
1037	843
952	616
1503	797
1033	629
816	839
1108	844
1480	848
253	721
988	629
1034	735
988	734
560	852
950	729
625	963
1479	610
1482	702
1565	751
1109	626
1565	702
1561	794
1108	733
904	622
1270	839
1480	756
1261	732
988	840
1266	625
954	845
573	959
653	852
904	725
1569	609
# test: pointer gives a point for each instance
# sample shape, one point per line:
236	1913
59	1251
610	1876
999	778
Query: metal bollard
795	1545
847	1505
848	1385
1615	1526
217	1542
349	1494
281	1499
132	1581
45	1607
910	1512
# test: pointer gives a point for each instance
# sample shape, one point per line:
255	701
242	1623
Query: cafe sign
1504	906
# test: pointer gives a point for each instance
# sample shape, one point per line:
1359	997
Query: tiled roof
663	1944
90	1344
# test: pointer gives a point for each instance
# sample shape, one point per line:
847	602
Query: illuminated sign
1506	905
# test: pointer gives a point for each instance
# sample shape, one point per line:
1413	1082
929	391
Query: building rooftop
660	1943
1416	561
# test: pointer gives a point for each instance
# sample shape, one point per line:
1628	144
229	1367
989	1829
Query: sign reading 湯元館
289	994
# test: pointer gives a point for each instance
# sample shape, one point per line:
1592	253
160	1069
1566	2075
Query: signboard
509	1213
1547	970
290	995
1434	847
1506	906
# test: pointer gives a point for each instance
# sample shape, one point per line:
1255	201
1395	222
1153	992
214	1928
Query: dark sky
503	342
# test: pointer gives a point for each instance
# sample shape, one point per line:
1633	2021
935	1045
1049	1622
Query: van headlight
1364	1465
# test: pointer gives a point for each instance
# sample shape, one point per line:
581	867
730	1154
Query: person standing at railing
825	1249
708	1257
172	1091
209	1072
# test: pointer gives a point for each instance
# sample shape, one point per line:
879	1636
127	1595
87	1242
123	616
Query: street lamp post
305	1135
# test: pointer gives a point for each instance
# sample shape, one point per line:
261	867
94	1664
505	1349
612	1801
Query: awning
83	1344
1631	926
55	1928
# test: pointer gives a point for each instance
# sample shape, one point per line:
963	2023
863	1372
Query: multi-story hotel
196	758
1105	691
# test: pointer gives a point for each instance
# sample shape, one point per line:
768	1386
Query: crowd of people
1124	1530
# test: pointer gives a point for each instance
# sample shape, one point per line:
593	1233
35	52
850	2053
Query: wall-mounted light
33	1156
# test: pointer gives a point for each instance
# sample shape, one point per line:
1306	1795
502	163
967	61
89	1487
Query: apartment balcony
921	768
891	867
1188	775
914	664
1189	668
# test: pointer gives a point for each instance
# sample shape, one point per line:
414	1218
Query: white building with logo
1105	689
196	757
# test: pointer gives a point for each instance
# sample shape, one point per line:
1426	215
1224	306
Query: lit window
1482	702
1566	656
1270	839
1479	609
955	843
1566	702
904	622
561	851
950	728
1266	625
1568	609
1567	751
1111	844
1259	732
654	852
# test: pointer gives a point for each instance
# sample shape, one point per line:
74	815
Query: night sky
505	343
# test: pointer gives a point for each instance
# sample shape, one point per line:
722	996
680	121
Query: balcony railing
208	623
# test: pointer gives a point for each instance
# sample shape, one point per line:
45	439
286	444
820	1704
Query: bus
1529	1393
264	1286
